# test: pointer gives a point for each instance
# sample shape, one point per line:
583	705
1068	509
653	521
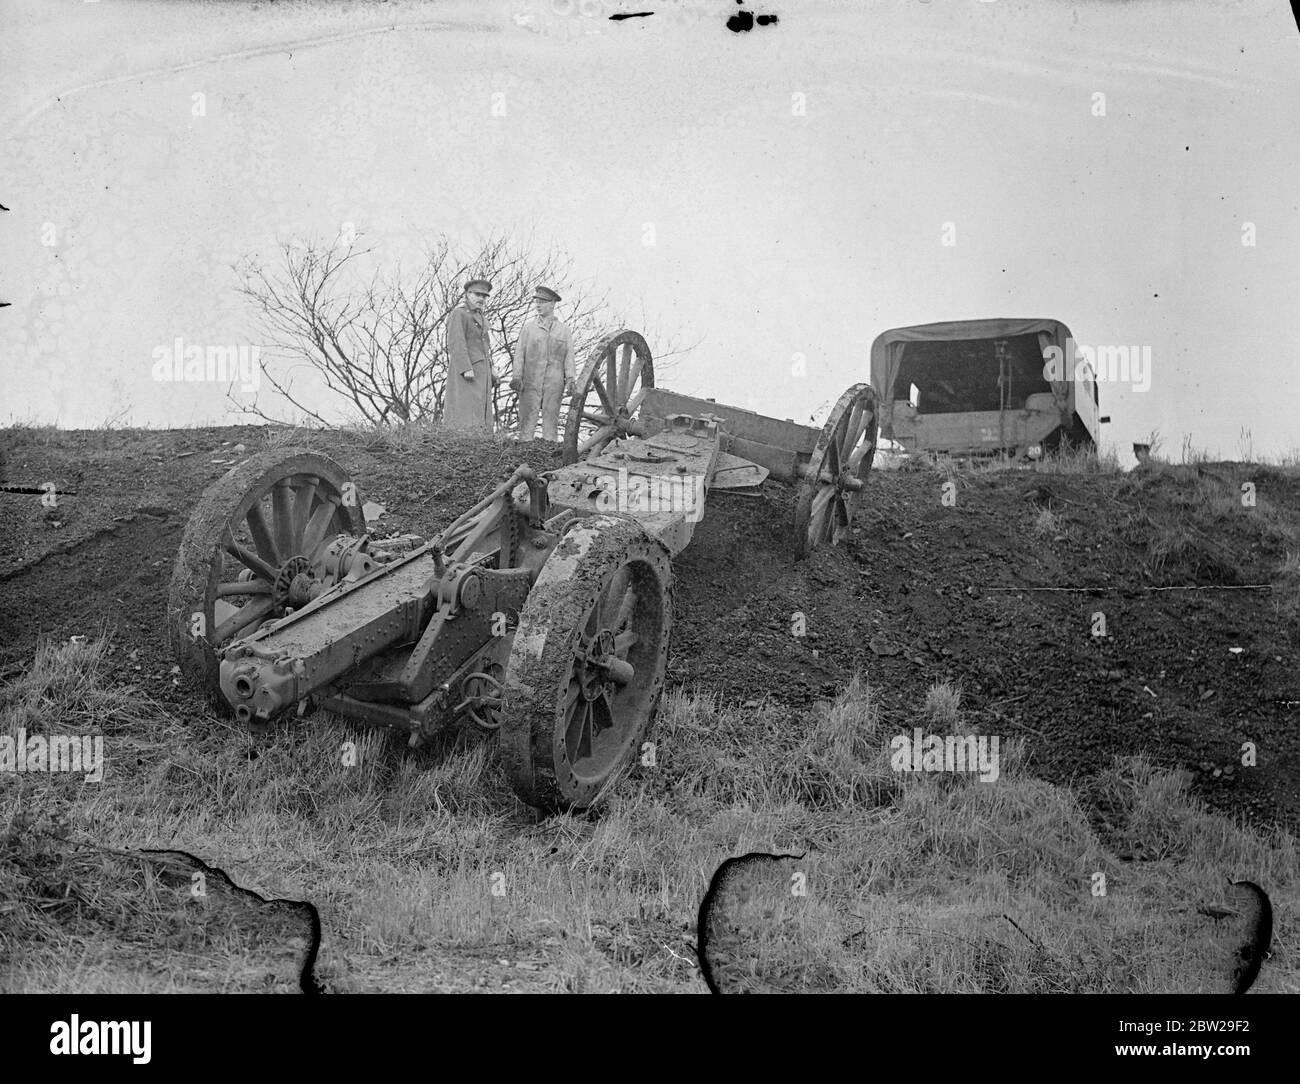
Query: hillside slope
997	589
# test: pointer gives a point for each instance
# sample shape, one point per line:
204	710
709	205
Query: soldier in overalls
467	403
544	367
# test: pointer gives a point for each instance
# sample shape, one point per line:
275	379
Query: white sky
774	234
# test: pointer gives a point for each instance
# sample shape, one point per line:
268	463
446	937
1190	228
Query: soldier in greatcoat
467	403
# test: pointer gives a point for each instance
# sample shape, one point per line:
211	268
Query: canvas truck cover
888	350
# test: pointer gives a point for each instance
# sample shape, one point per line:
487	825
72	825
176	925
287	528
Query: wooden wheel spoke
844	453
318	527
863	441
831	460
598	439
625	373
241	619
862	430
634	376
243	587
625	642
848	439
612	366
282	519
824	497
250	560
604	396
597	419
303	498
261	535
853	431
634	403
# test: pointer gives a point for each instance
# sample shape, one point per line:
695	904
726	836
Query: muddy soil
923	592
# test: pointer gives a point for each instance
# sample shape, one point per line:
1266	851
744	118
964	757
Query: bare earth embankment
768	743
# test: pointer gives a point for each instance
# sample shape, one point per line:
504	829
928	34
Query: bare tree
380	343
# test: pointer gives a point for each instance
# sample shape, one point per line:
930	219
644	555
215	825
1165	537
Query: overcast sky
1098	163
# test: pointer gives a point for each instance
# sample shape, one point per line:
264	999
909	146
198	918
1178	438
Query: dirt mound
994	581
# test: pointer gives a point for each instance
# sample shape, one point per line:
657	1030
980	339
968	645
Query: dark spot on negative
743	21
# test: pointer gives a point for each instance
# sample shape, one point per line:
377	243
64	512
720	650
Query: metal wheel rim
606	578
595	732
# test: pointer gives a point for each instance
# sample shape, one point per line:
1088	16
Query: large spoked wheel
608	393
588	663
253	550
831	489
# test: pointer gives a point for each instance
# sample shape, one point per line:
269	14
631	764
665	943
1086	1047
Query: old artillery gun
542	612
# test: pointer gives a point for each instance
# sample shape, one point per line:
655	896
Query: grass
414	437
1286	592
1047	524
429	874
289	436
1066	459
1203	519
1199	521
1086	459
943	704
